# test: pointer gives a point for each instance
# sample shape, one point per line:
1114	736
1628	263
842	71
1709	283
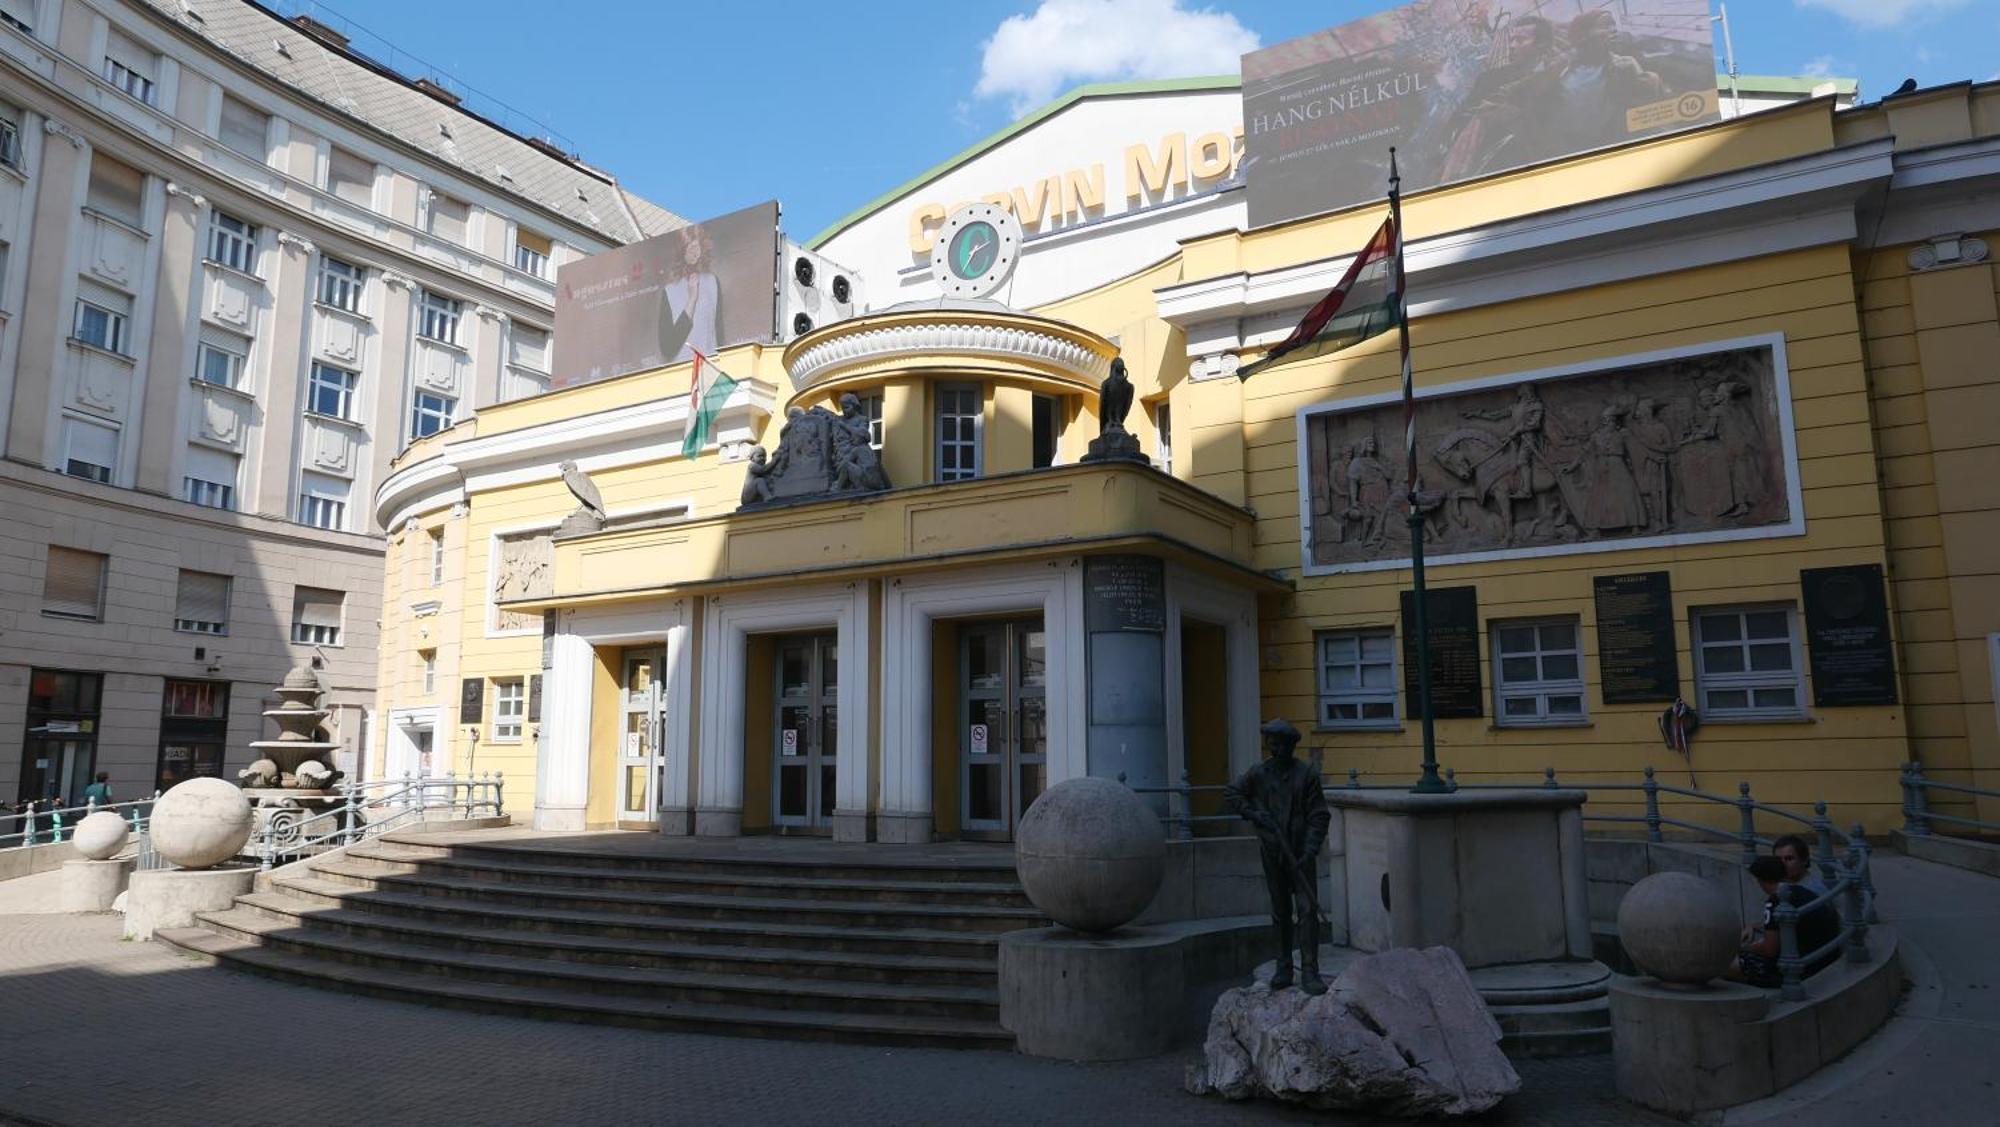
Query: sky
705	107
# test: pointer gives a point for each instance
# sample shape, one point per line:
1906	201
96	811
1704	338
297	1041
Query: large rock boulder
1403	1032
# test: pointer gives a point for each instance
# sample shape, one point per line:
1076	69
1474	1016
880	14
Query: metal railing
1847	877
1917	812
49	824
359	811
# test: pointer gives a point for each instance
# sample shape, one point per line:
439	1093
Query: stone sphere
1678	928
100	836
1091	854
200	823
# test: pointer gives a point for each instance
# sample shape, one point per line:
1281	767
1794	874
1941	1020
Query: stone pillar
291	357
905	814
562	764
59	186
93	886
162	435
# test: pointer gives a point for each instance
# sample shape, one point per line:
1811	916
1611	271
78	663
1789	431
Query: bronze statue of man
1283	799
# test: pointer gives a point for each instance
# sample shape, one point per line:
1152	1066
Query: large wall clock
976	250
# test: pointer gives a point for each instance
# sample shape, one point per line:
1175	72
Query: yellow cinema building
1707	416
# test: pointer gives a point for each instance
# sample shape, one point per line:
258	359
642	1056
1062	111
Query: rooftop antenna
1729	59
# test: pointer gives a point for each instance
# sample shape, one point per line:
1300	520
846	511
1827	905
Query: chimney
320	31
438	91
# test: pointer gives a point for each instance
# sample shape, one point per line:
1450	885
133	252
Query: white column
718	796
905	815
562	761
851	781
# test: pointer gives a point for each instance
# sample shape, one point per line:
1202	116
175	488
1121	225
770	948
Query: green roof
1746	83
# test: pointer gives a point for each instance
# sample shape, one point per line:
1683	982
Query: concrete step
542	872
556	1002
795	962
756	991
971	918
630	925
1560	1029
820	860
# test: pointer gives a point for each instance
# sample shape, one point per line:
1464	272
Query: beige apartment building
242	265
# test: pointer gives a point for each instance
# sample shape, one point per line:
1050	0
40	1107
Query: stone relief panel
229	299
115	252
339	339
221	418
330	447
1665	448
101	383
524	565
440	369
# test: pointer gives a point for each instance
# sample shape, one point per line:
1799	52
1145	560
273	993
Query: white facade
239	271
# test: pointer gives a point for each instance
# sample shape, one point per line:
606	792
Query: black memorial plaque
1124	593
1847	635
1452	621
534	698
1635	638
471	700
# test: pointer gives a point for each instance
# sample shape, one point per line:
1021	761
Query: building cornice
1038	345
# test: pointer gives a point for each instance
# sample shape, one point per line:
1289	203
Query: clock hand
973	246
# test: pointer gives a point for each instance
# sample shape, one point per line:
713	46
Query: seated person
1797	856
1757	962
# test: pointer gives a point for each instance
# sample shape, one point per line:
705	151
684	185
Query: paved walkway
96	1030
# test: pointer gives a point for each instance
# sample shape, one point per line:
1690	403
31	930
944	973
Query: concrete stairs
861	944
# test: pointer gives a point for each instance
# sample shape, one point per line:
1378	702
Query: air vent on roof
437	90
320	31
500	170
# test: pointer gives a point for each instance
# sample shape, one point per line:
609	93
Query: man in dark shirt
1283	799
1757	962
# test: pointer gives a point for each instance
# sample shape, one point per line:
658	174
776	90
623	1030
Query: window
531	252
1357	678
322	502
340	284
10	130
74	585
350	177
116	190
330	391
201	606
1044	420
316	616
210	480
131	68
244	128
437	556
1538	672
430	667
194	730
232	242
871	406
508	707
19	14
449	218
438	317
219	363
1747	664
430	413
958	427
1163	445
528	347
90	449
99	327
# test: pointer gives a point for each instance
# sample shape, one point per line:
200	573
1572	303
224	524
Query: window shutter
211	465
448	218
350	178
203	597
312	606
117	190
225	340
244	129
530	347
134	57
89	442
21	12
74	584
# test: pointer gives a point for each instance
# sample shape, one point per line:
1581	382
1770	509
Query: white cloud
1031	58
1882	13
1819	67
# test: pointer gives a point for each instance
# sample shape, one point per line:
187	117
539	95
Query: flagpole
1428	782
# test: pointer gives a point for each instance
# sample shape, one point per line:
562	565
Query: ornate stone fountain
293	777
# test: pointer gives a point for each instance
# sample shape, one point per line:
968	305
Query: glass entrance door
1003	724
642	734
807	740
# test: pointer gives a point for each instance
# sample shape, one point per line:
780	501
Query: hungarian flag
1363	303
708	390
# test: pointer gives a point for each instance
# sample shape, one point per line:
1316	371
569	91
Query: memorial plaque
1452	621
535	698
1124	593
1847	635
1635	638
471	700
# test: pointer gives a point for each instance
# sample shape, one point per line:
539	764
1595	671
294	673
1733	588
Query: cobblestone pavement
94	1030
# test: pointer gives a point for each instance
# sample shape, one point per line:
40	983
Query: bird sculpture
585	490
1909	86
